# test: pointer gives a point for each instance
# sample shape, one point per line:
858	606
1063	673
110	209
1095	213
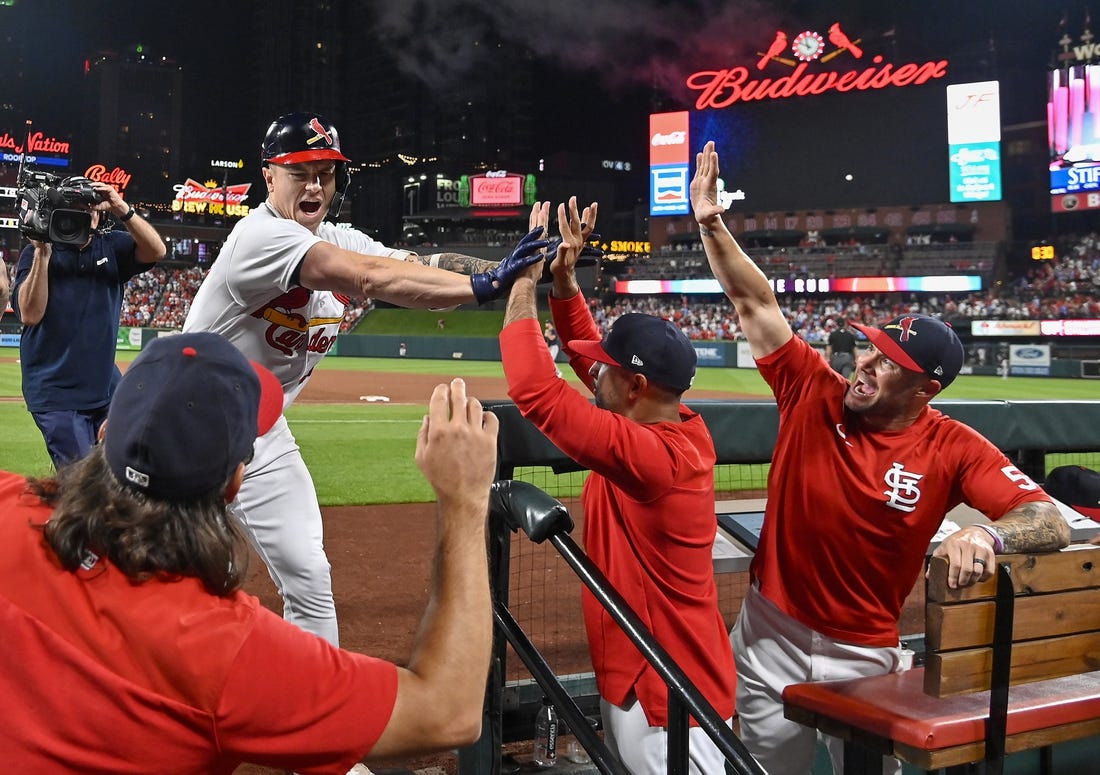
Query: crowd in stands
1068	287
161	297
687	261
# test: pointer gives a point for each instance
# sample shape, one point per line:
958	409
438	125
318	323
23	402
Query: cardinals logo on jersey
321	133
289	329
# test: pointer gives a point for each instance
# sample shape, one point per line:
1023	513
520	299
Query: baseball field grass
362	454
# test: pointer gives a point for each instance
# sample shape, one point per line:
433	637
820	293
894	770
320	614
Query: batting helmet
299	137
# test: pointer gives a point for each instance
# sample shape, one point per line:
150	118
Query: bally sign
118	177
803	54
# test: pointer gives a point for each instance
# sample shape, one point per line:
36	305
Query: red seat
896	708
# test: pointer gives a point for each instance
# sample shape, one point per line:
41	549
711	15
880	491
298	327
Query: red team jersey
851	510
99	674
649	520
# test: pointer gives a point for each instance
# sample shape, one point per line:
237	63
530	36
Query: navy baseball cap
185	414
647	345
919	343
1076	486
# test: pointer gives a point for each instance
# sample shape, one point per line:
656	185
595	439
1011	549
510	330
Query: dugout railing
522	506
744	432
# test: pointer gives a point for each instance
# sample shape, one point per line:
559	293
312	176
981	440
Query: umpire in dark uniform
840	350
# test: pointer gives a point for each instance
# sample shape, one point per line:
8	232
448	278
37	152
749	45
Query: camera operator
68	298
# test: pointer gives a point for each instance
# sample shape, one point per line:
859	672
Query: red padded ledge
895	707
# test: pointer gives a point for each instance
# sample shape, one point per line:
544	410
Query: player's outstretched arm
746	286
440	694
410	283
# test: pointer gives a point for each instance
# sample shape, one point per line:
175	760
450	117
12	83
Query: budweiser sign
194	197
803	54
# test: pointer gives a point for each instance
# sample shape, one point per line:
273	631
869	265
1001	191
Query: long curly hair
96	516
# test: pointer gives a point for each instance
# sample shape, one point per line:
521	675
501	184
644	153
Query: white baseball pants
278	507
644	749
772	650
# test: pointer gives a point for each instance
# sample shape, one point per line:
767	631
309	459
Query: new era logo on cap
634	359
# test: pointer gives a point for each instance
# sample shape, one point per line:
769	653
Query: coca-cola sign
494	190
804	53
672	138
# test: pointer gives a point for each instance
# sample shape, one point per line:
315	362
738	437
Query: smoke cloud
622	43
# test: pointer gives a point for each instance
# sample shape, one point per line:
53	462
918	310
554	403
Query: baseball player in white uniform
278	292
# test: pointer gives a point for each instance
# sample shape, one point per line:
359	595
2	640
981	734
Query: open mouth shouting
862	388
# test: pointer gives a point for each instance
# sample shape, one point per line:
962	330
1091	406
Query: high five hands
704	187
582	254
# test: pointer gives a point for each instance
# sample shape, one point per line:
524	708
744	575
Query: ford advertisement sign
1030	360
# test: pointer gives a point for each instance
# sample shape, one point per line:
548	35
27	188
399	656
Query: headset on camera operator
68	294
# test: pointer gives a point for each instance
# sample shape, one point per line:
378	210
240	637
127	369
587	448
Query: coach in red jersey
648	503
127	644
862	475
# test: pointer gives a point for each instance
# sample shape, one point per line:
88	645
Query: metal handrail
520	505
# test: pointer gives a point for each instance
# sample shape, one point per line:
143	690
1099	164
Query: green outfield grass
363	453
425	322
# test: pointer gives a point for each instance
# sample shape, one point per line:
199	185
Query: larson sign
722	88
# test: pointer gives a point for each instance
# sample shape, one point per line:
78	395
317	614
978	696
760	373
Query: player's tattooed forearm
1041	533
703	230
456	262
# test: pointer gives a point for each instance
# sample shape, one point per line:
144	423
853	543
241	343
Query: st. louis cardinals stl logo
289	329
322	133
903	494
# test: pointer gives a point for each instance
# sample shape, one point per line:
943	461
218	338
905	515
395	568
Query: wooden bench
1034	627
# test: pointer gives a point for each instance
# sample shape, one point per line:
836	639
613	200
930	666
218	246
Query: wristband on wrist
998	542
129	214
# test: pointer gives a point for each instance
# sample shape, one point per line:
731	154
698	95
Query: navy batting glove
491	284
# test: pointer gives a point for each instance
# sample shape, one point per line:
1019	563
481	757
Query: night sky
612	60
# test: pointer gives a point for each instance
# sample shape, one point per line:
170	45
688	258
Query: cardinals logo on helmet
322	133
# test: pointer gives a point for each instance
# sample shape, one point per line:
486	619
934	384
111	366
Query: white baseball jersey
249	296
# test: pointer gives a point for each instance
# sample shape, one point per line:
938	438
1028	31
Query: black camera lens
70	227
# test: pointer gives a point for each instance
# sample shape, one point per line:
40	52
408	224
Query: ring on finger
979	561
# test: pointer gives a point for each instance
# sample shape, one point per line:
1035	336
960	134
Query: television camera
46	206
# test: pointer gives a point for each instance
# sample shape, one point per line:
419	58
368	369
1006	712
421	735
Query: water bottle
546	735
573	751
